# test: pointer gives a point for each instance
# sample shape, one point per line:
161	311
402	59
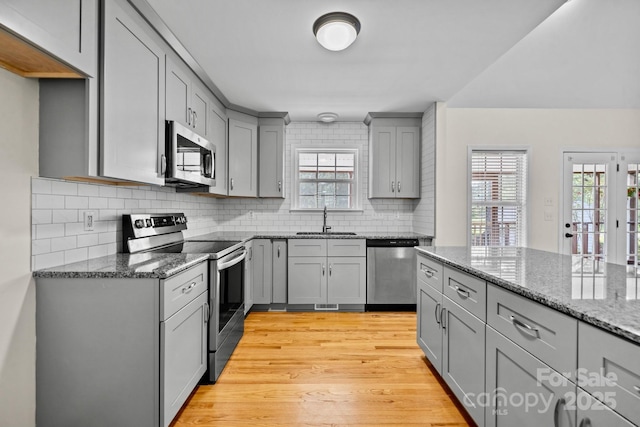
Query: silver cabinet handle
436	313
398	186
323	269
535	332
462	292
279	186
278	251
393	186
556	411
231	184
250	253
195	118
206	312
586	422
443	317
163	164
189	288
189	116
427	273
330	269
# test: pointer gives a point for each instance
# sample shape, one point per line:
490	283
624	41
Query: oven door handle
226	263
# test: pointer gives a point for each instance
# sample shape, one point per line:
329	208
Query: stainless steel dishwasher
391	274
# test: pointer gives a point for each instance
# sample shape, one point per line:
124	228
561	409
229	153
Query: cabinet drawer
430	272
347	247
179	290
601	353
308	247
547	334
467	291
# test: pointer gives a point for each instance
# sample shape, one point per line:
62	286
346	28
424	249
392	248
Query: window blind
498	198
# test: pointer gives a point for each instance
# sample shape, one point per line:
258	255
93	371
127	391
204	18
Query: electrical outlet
89	220
252	215
548	216
548	201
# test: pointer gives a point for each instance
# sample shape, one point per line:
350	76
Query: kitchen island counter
605	295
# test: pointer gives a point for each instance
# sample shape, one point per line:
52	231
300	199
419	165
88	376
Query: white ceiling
492	53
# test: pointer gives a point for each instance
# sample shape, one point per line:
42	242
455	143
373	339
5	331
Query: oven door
191	159
227	298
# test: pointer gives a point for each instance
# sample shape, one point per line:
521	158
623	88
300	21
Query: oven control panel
135	226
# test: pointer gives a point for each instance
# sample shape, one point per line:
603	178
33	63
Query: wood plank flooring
325	369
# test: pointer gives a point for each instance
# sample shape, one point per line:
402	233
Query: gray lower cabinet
451	337
133	97
522	390
248	277
327	271
119	352
262	277
592	413
279	270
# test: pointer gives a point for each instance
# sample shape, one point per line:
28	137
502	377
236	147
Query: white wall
424	211
546	132
18	162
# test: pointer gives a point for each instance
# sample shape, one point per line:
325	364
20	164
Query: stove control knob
139	223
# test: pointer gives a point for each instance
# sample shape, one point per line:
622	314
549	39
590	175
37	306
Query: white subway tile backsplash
41	216
84	240
40	186
64	216
63	243
98	203
76	202
88	190
75	255
49	201
40	246
48	231
64	188
51	259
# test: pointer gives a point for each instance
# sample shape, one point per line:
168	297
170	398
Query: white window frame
525	205
295	178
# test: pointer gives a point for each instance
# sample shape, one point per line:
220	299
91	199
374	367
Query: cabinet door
429	308
199	106
279	271
67	29
262	274
178	92
592	413
523	391
382	161
183	357
248	276
347	281
271	159
463	356
243	159
217	135
407	166
132	98
307	280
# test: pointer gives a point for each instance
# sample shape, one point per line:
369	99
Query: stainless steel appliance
163	233
391	274
191	159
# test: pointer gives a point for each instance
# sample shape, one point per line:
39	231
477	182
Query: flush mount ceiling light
327	117
336	30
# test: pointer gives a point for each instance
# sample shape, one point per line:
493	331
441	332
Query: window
325	178
498	198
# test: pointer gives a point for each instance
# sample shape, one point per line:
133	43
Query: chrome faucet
325	228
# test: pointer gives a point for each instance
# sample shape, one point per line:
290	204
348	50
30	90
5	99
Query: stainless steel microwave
191	159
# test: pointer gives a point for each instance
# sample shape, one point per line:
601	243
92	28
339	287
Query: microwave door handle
207	165
225	263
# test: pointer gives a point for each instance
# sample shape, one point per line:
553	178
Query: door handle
231	184
529	330
195	118
393	186
399	186
189	116
568	235
163	164
436	313
278	251
556	411
323	269
443	317
330	269
279	186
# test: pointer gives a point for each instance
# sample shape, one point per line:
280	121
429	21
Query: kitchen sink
326	233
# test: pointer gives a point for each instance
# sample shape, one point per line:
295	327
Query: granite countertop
248	235
124	266
608	298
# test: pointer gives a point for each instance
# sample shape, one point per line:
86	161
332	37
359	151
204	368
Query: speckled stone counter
608	298
125	266
248	235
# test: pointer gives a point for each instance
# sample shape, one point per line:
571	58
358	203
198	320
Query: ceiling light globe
336	30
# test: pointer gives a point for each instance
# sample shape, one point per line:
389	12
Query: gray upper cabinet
394	158
186	102
217	135
133	97
243	158
66	29
271	158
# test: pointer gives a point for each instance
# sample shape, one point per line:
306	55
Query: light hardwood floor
325	369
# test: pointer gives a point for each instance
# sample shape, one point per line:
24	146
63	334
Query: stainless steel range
163	233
